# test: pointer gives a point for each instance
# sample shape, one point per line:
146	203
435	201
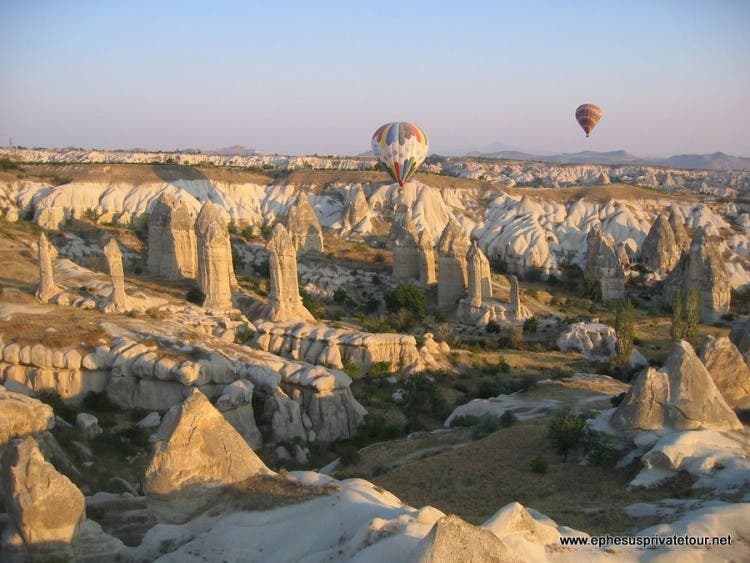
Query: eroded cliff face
525	232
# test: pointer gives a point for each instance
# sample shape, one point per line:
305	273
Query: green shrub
407	297
98	403
348	454
531	325
539	465
61	409
603	452
379	369
492	327
464	421
566	431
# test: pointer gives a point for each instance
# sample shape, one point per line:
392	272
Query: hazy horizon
295	78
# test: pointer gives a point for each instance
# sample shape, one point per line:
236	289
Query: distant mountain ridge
713	161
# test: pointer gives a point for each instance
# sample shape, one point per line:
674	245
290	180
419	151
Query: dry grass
60	327
599	194
266	492
477	480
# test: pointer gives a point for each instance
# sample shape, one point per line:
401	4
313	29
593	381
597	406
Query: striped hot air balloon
587	116
401	148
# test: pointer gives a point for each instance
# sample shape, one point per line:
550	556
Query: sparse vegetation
566	431
625	329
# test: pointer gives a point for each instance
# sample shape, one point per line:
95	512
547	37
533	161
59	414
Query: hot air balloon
401	148
587	116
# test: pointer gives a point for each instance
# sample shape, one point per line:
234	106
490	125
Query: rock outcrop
235	403
357	211
681	236
197	453
46	288
452	268
21	415
427	264
660	252
405	249
333	347
595	341
118	299
701	269
45	507
679	396
480	280
172	246
454	539
603	267
728	370
215	271
304	227
517	311
284	300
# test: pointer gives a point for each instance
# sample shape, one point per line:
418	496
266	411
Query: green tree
678	322
407	297
625	328
692	314
685	315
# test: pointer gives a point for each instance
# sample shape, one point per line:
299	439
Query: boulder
728	370
45	507
679	396
196	455
21	415
453	539
88	425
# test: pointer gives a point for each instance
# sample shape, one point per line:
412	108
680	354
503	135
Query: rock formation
21	415
603	179
728	370
452	270
701	269
284	301
405	249
235	403
215	271
678	227
427	267
480	280
46	288
45	507
196	454
172	250
454	539
304	227
518	312
603	267
357	210
118	300
334	347
660	252
679	396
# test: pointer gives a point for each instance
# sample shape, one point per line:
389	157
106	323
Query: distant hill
234	150
714	161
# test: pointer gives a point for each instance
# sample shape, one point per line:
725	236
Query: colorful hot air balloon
400	148
587	116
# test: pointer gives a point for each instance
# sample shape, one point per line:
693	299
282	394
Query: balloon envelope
401	148
587	116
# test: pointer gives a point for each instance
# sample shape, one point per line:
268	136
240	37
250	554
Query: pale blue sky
304	77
